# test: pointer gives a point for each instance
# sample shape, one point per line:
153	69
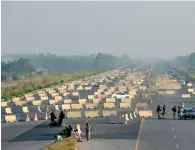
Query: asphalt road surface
167	134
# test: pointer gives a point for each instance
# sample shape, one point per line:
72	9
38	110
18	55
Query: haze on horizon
139	29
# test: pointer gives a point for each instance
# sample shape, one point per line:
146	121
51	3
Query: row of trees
53	62
14	69
188	60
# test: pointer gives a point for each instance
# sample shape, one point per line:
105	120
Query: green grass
66	144
25	86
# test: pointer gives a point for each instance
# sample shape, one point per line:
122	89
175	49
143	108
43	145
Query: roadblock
110	100
67	101
125	105
4	104
10	118
20	103
44	97
82	101
73	114
186	95
66	107
96	101
109	105
29	99
76	106
170	92
91	114
190	90
36	102
126	100
53	102
91	97
58	97
107	113
145	113
91	106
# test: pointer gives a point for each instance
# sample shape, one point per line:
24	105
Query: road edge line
139	133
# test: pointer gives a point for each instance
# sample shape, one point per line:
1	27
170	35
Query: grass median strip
66	144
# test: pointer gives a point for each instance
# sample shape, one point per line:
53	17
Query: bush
66	144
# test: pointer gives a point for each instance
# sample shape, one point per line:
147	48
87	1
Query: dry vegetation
66	144
23	86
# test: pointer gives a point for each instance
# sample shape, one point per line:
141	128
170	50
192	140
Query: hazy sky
139	29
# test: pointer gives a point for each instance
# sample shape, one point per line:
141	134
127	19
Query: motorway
167	134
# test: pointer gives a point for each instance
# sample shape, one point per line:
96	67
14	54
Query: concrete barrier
91	106
82	101
107	113
189	84
170	92
91	114
91	97
28	95
125	105
109	105
58	97
110	100
73	114
88	88
25	109
4	104
66	107
193	93
190	90
21	117
97	93
76	106
10	118
53	102
96	101
36	102
66	94
29	98
145	113
67	101
186	95
8	110
126	100
16	99
44	97
75	93
54	94
20	103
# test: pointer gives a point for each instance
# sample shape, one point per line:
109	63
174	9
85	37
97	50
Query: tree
191	59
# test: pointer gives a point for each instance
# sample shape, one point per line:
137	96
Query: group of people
75	132
175	111
60	118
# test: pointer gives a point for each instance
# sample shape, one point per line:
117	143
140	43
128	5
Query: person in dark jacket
158	110
61	117
164	112
87	129
53	117
174	112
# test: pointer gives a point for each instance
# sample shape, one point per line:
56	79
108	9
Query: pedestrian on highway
164	112
174	112
61	117
53	117
179	112
87	129
158	110
78	132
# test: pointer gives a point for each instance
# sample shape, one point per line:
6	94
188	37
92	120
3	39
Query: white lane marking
177	146
173	129
174	137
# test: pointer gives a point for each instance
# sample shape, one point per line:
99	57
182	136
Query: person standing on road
53	117
164	112
87	129
158	110
174	112
61	117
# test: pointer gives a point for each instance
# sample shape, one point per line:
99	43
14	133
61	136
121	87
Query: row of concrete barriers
68	114
45	108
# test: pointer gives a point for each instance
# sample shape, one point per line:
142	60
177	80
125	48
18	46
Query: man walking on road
87	131
179	112
174	112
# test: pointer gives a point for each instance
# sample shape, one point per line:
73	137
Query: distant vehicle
119	95
188	113
182	82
